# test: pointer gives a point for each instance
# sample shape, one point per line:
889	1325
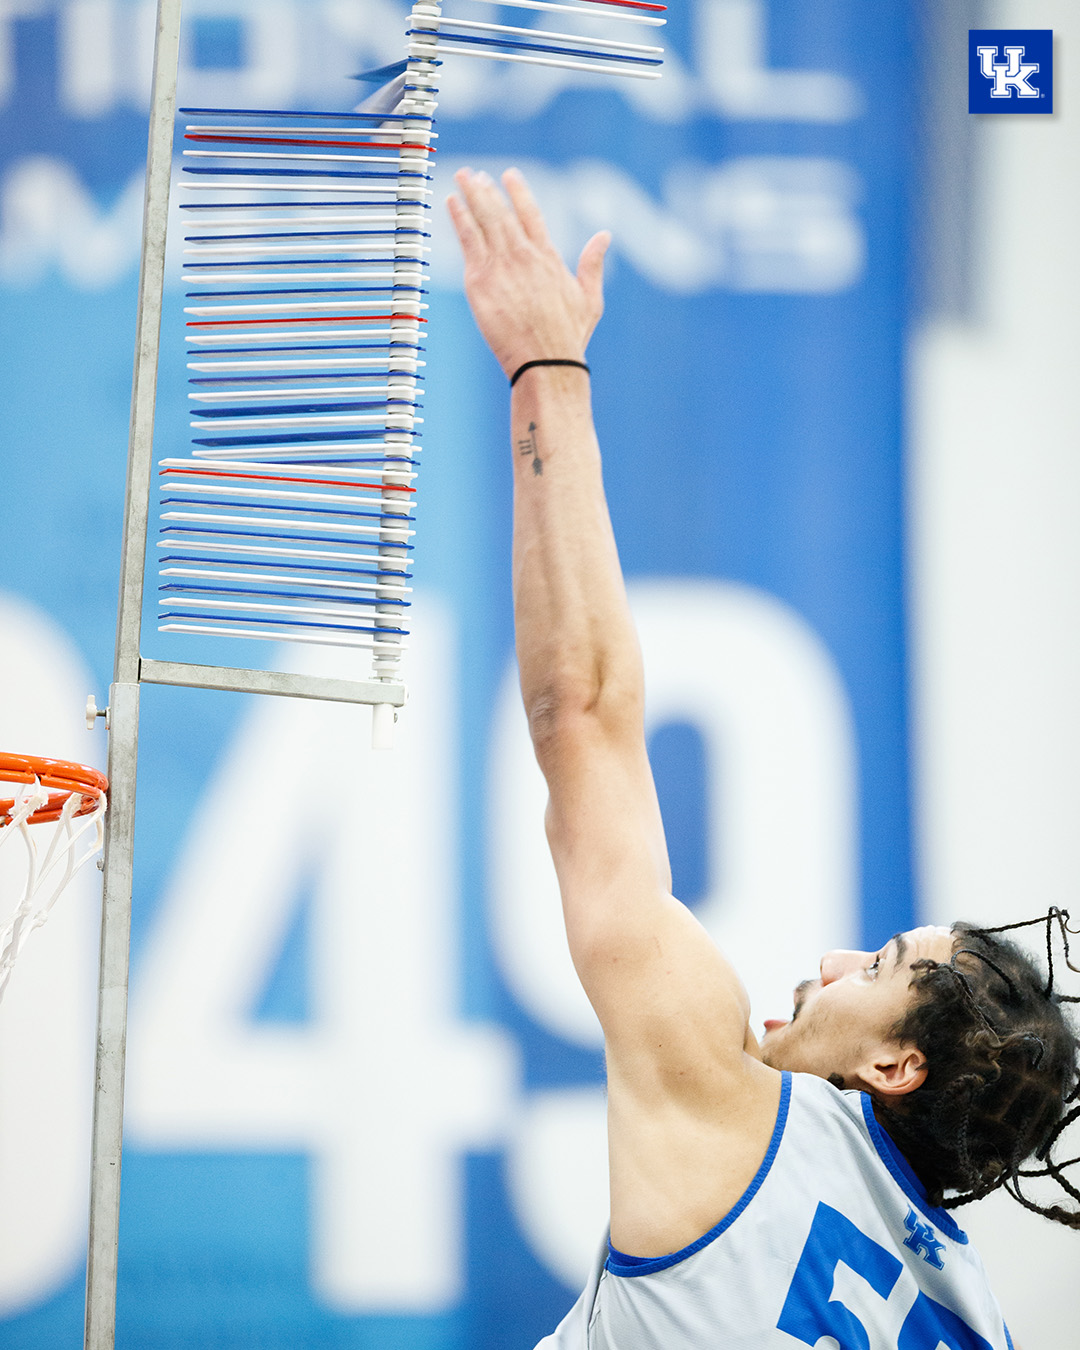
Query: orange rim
61	776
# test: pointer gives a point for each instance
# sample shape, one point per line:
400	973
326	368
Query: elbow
564	713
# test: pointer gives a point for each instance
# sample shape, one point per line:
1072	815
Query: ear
895	1071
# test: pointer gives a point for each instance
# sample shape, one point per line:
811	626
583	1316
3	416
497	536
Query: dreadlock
1002	1076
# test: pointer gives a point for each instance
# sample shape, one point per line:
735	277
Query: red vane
332	318
627	4
278	478
277	140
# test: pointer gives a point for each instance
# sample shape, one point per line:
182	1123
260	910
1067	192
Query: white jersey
834	1237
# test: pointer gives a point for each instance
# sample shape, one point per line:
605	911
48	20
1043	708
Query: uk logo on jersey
923	1241
1011	70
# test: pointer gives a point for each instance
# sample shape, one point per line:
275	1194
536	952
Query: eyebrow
901	949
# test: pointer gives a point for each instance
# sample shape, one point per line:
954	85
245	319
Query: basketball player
761	1195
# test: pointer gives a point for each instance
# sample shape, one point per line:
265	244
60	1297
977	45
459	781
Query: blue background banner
365	1101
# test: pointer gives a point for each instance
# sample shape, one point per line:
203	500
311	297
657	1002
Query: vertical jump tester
292	518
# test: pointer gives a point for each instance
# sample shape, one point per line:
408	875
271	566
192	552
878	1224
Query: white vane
305	260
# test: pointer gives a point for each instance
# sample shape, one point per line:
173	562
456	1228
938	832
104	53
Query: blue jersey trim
619	1263
905	1178
1009	1339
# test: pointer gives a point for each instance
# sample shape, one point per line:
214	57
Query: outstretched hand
525	300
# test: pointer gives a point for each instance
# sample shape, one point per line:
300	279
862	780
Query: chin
772	1049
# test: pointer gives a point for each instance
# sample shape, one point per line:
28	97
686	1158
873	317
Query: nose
835	965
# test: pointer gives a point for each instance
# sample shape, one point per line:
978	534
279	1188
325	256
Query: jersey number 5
811	1310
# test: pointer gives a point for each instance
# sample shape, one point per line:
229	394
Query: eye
874	966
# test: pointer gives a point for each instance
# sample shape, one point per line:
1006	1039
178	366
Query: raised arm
575	642
674	1014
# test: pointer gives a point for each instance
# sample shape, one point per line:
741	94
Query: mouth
798	998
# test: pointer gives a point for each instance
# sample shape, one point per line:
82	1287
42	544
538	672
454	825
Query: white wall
995	496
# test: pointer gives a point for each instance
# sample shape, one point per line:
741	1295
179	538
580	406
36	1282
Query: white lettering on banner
769	224
47	218
47	1016
765	695
367	36
291	48
732	34
89	73
766	224
775	224
386	1088
9	10
269	75
763	224
106	55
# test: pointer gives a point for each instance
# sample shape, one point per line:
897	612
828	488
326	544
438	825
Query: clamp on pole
93	712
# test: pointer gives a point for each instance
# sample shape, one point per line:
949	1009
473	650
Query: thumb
590	270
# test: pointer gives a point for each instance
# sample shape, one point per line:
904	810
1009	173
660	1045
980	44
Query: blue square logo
1011	70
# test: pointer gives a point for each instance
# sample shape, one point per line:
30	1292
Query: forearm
577	650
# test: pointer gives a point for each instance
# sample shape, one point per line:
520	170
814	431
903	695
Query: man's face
843	1021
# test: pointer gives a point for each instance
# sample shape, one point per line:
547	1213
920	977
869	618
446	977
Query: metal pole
374	692
112	1023
124	710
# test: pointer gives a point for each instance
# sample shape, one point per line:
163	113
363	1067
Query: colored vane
304	267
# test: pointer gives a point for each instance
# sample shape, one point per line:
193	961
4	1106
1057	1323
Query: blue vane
272	262
290	409
305	173
246	206
391	230
288	508
258	535
355	433
356	373
546	47
332	596
290	112
383	75
312	290
269	619
285	566
324	347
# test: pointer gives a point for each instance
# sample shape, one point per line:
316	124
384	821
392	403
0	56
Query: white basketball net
72	843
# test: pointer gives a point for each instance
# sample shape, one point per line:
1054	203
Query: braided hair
1002	1079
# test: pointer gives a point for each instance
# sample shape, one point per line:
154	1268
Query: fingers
468	231
524	203
590	269
493	216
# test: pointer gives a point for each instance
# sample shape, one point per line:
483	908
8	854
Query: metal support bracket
241	681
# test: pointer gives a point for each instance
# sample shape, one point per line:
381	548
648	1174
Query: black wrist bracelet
549	361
